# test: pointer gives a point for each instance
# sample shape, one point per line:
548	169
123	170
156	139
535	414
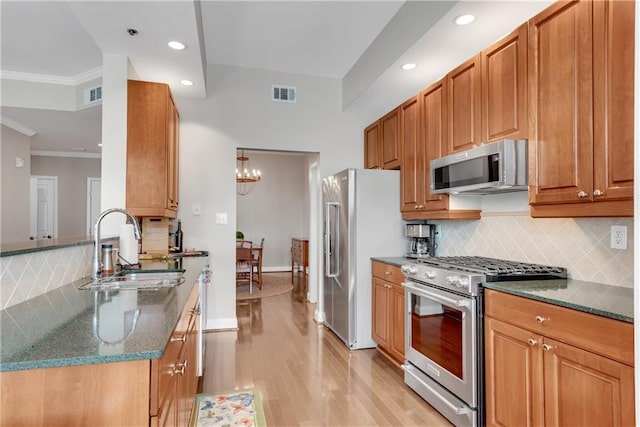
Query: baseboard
222	324
282	269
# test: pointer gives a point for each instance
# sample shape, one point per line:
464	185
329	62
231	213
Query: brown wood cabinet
156	392
381	142
423	129
581	88
173	379
504	88
550	365
152	150
388	310
464	106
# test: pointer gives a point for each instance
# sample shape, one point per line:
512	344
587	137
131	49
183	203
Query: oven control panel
442	277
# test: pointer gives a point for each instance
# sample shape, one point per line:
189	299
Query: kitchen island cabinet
152	150
80	374
555	366
388	310
581	81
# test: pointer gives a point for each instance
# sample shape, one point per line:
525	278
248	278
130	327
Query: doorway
281	207
93	202
43	202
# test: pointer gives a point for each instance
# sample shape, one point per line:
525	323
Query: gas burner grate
496	268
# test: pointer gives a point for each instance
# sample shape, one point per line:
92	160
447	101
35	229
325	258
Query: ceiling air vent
92	95
283	93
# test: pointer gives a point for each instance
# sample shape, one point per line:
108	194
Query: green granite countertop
615	302
68	326
397	261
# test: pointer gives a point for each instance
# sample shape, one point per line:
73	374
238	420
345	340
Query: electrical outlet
618	237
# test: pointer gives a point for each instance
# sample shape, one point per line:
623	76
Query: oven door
441	338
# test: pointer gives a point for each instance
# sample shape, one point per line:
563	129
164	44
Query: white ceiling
361	42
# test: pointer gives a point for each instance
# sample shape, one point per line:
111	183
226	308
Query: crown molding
76	80
66	154
17	126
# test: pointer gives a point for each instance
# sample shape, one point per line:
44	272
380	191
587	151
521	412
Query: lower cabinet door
514	376
585	389
168	408
397	322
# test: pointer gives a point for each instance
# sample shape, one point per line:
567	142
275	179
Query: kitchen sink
146	280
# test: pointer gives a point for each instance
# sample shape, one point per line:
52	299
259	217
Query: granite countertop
615	302
68	326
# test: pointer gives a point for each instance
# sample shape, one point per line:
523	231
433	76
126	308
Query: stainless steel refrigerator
361	220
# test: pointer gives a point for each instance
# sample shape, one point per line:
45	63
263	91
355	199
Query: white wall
15	185
277	208
238	112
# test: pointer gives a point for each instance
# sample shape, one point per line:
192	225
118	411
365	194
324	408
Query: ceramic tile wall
26	276
580	245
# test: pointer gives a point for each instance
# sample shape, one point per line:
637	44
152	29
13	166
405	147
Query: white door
93	203
44	207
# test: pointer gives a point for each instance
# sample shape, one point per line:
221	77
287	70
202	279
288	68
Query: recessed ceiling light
186	82
464	19
176	45
408	66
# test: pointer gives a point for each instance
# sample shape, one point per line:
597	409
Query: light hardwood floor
305	374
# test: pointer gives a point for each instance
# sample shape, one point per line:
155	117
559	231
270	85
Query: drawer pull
532	342
547	347
183	338
540	319
388	273
582	195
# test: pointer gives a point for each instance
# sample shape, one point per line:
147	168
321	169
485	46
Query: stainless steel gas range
444	348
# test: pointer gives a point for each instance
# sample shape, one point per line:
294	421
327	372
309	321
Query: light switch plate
221	218
195	209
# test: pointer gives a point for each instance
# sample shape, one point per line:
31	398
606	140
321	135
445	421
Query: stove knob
451	280
409	269
462	282
431	275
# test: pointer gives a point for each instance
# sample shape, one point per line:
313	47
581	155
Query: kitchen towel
128	245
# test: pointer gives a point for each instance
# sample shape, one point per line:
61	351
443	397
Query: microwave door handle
438	298
330	255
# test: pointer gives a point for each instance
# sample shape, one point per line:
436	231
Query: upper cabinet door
372	146
390	129
463	96
412	174
613	82
560	104
434	137
504	88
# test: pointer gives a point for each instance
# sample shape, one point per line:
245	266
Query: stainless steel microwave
495	167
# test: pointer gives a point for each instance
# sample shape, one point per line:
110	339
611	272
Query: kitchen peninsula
117	358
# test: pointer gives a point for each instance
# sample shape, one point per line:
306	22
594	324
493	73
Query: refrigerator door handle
332	208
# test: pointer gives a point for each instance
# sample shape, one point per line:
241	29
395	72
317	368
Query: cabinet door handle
388	273
183	338
532	342
582	195
597	193
540	319
180	368
547	347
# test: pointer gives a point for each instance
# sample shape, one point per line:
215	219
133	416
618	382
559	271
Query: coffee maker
422	240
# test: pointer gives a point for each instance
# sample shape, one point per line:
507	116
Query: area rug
234	408
272	284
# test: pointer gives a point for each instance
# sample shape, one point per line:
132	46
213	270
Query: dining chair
256	262
244	266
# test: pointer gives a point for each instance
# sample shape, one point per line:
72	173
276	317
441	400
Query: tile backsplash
582	245
26	276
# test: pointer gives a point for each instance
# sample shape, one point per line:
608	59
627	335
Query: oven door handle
439	298
456	409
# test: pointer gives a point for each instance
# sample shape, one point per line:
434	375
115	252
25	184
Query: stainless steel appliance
444	348
499	166
361	220
422	240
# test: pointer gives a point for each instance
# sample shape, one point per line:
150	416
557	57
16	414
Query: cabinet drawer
608	337
388	272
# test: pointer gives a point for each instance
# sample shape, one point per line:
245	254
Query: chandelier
246	177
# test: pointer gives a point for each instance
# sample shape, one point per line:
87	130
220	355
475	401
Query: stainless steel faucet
97	262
